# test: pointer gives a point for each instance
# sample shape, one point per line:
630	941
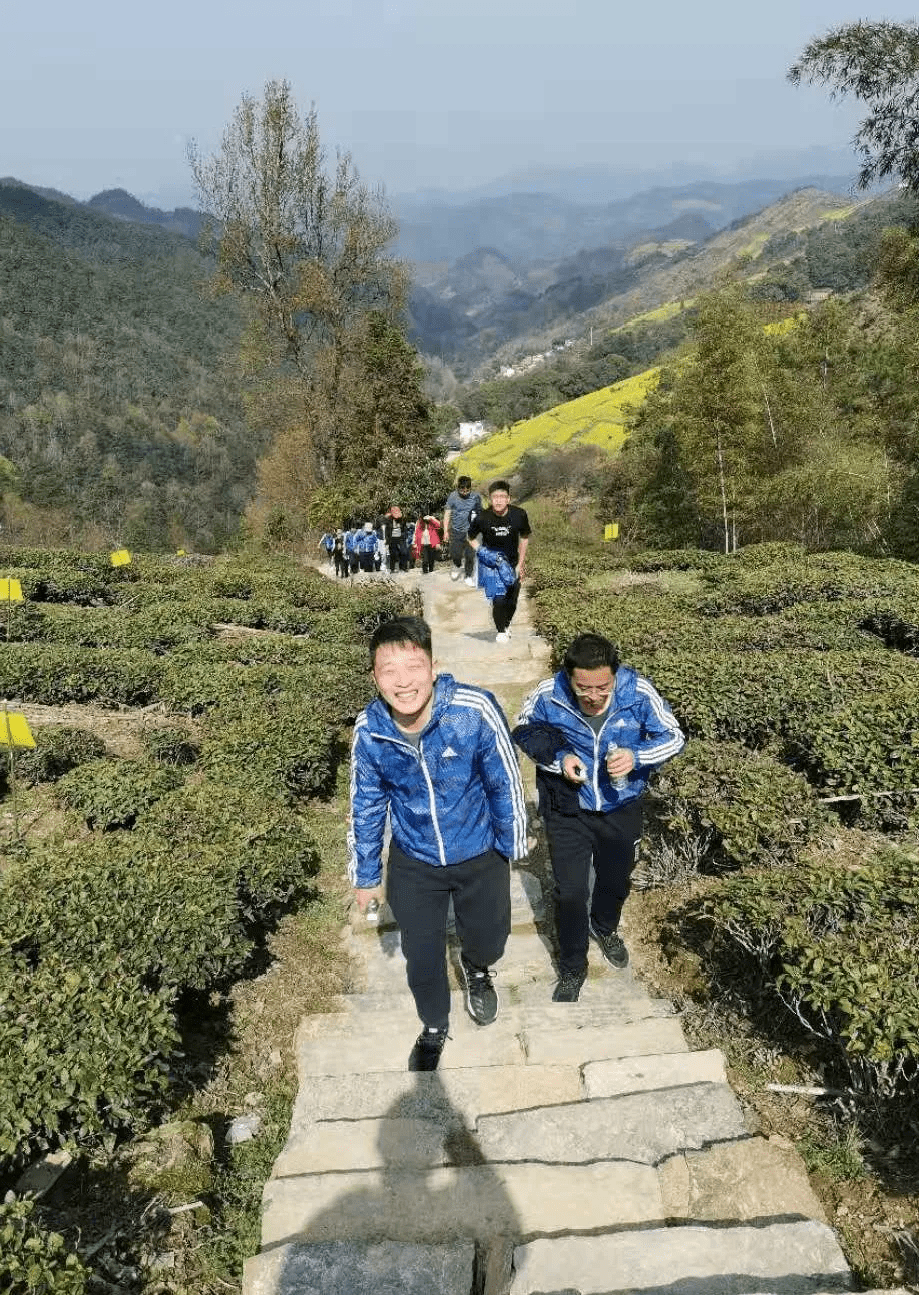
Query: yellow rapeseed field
595	419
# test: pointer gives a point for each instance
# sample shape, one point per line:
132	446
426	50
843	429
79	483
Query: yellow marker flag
611	531
14	730
121	558
180	553
11	591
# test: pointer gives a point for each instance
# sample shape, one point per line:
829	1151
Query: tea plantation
796	679
158	870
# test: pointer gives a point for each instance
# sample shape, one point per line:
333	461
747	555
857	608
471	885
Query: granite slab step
643	1127
644	1073
798	1258
460	1095
751	1179
476	1201
386	1044
581	1044
374	1011
354	1267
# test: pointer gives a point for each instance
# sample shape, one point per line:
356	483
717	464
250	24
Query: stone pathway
567	1149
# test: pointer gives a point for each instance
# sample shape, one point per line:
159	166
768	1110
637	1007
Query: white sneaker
502	636
454	575
469	581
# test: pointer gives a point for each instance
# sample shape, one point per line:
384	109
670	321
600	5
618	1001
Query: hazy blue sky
423	93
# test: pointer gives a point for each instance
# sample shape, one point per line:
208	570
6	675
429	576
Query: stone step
648	1127
644	1127
784	1258
375	1013
579	1045
343	1048
350	1043
744	1180
460	1095
640	1074
477	1201
355	1267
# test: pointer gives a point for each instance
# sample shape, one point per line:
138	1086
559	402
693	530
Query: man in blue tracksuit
437	756
596	731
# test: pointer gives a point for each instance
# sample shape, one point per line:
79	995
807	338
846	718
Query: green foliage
170	746
835	945
57	750
102	937
878	63
261	843
34	1261
112	793
739	806
53	674
140	435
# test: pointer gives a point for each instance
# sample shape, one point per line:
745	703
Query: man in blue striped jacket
596	731
437	756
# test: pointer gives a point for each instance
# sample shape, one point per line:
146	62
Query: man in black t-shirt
504	528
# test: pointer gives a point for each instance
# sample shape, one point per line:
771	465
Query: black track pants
576	840
419	896
503	608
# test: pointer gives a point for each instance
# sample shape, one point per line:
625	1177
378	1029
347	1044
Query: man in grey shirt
462	504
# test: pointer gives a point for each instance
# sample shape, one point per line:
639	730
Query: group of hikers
486	545
436	758
394	542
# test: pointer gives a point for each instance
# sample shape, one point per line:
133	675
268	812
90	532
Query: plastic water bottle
622	782
373	911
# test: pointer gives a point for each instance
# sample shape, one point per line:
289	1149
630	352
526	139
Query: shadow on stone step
372	1214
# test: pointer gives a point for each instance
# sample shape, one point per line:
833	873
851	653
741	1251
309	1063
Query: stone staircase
566	1149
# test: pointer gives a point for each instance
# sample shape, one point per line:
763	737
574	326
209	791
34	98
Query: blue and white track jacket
550	726
456	795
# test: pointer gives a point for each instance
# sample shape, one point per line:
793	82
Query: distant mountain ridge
528	227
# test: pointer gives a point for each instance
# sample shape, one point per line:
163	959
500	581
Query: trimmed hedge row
835	946
738	807
102	937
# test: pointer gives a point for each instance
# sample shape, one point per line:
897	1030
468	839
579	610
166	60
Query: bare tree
306	246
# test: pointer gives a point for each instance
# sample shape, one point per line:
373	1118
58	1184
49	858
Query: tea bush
112	793
278	747
836	947
53	674
746	808
34	1261
57	750
170	746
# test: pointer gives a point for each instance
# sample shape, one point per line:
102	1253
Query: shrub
835	945
170	746
276	749
263	845
112	793
84	1050
34	1261
53	674
194	685
745	807
57	750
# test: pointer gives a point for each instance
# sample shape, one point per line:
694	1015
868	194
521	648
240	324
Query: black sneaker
569	986
428	1046
611	946
481	996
